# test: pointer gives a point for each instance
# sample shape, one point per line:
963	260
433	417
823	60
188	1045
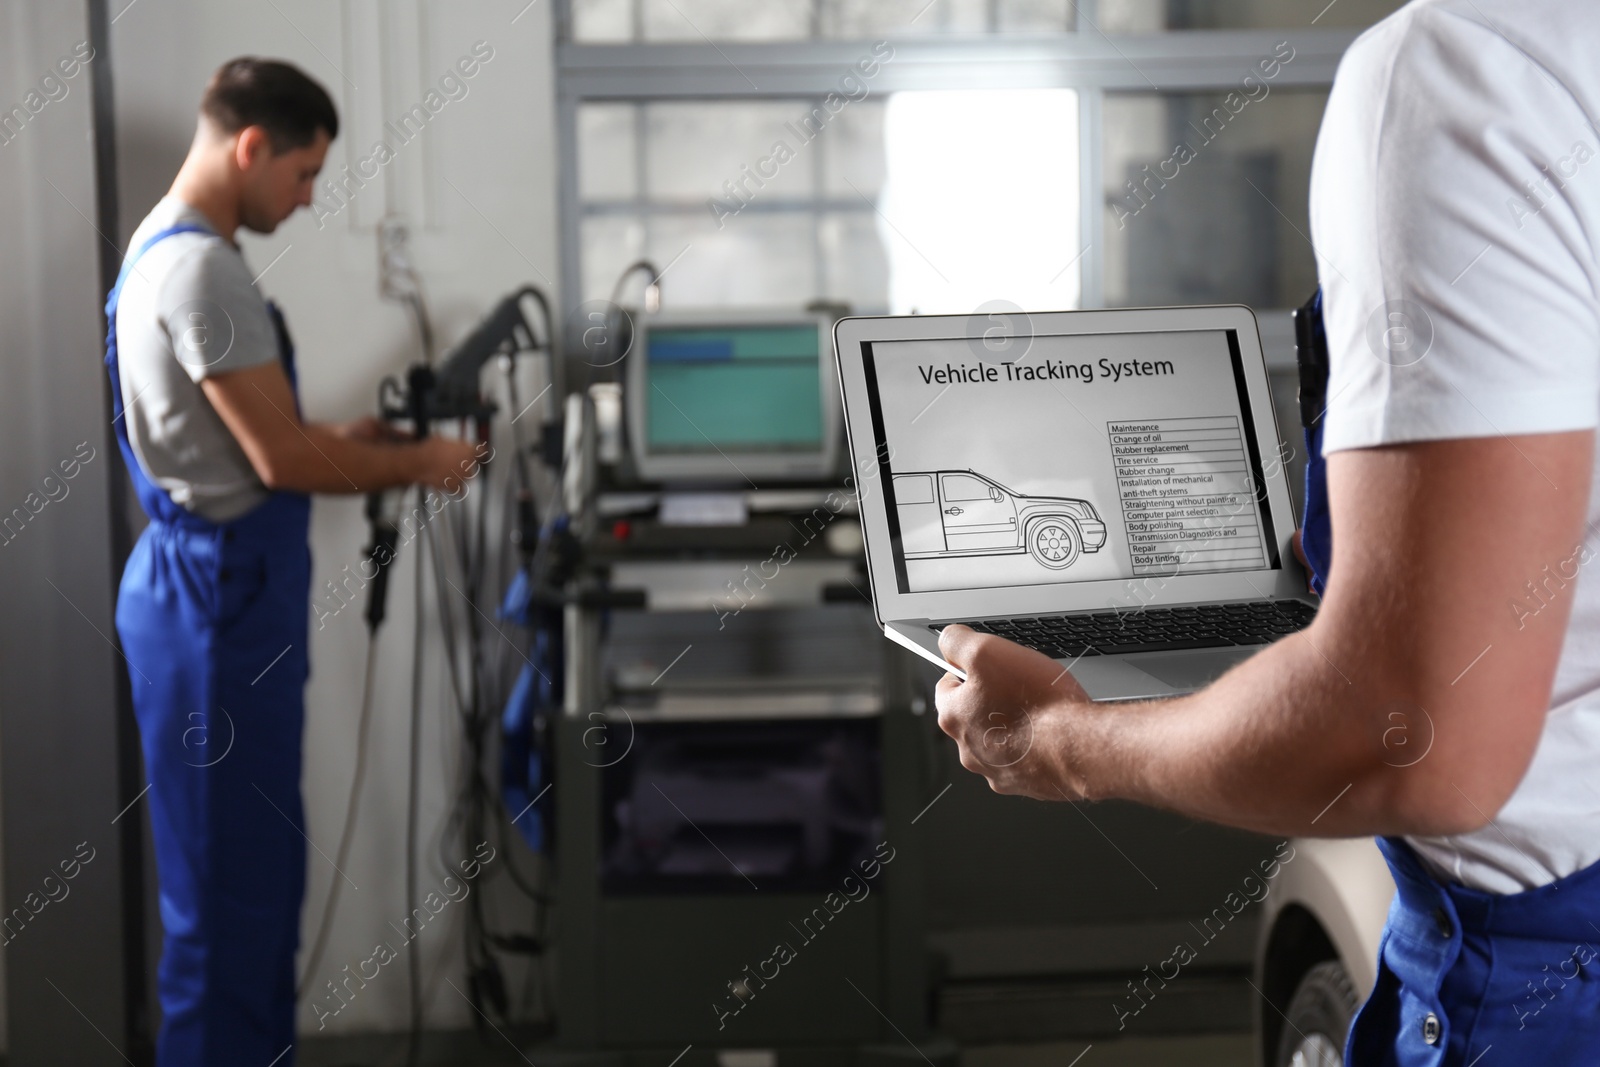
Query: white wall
478	190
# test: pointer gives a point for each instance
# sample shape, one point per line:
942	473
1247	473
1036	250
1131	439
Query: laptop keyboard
1256	622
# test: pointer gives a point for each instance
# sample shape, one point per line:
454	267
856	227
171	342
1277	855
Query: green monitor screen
733	389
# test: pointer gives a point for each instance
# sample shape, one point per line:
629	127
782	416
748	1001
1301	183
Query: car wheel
1319	1016
1054	542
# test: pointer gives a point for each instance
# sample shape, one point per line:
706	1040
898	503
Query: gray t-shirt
189	310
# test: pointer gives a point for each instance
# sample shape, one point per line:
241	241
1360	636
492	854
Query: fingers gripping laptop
1103	486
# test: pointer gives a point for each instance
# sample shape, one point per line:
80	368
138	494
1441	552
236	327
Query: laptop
1105	487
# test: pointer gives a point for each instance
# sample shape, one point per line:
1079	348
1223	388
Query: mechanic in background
215	599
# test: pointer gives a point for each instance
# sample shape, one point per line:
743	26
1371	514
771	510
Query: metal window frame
1088	61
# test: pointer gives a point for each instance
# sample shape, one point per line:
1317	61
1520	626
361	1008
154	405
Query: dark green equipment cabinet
695	978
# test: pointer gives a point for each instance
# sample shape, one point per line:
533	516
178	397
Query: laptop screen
1080	457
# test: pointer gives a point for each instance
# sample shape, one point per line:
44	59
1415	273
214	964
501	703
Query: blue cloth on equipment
537	694
213	619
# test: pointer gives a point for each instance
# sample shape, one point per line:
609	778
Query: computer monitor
733	398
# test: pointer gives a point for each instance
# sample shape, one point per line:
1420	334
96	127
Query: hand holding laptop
1009	717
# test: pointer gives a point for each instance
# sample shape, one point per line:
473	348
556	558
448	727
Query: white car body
1329	902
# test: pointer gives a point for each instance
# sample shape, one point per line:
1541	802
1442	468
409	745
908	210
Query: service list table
1187	501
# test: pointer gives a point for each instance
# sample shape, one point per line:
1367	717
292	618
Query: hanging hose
347	835
413	958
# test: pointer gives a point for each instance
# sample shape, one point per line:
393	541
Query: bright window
981	200
1007	150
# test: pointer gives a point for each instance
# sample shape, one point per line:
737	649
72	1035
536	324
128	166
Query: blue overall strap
285	352
1311	354
157	503
138	254
113	299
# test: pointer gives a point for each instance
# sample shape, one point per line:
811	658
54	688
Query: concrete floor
1214	1050
464	1050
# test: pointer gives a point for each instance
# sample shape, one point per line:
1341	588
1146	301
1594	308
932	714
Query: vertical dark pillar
72	931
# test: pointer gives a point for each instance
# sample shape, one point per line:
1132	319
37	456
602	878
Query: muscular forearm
319	459
1282	744
257	405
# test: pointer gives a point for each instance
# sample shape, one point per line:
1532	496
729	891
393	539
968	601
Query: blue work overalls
213	621
1466	978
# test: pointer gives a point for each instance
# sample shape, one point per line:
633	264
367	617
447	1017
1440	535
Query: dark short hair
274	95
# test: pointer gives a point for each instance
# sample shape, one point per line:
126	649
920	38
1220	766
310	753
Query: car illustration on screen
963	513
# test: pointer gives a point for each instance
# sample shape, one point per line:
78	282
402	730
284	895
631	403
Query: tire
1319	1016
1054	542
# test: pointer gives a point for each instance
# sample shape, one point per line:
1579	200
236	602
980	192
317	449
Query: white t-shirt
189	310
1455	206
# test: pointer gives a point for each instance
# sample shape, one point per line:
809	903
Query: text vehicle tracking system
1085	457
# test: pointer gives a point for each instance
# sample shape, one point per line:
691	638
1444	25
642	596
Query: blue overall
1506	978
1311	354
213	621
1465	977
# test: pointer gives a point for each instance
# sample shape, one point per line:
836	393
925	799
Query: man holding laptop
1454	227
